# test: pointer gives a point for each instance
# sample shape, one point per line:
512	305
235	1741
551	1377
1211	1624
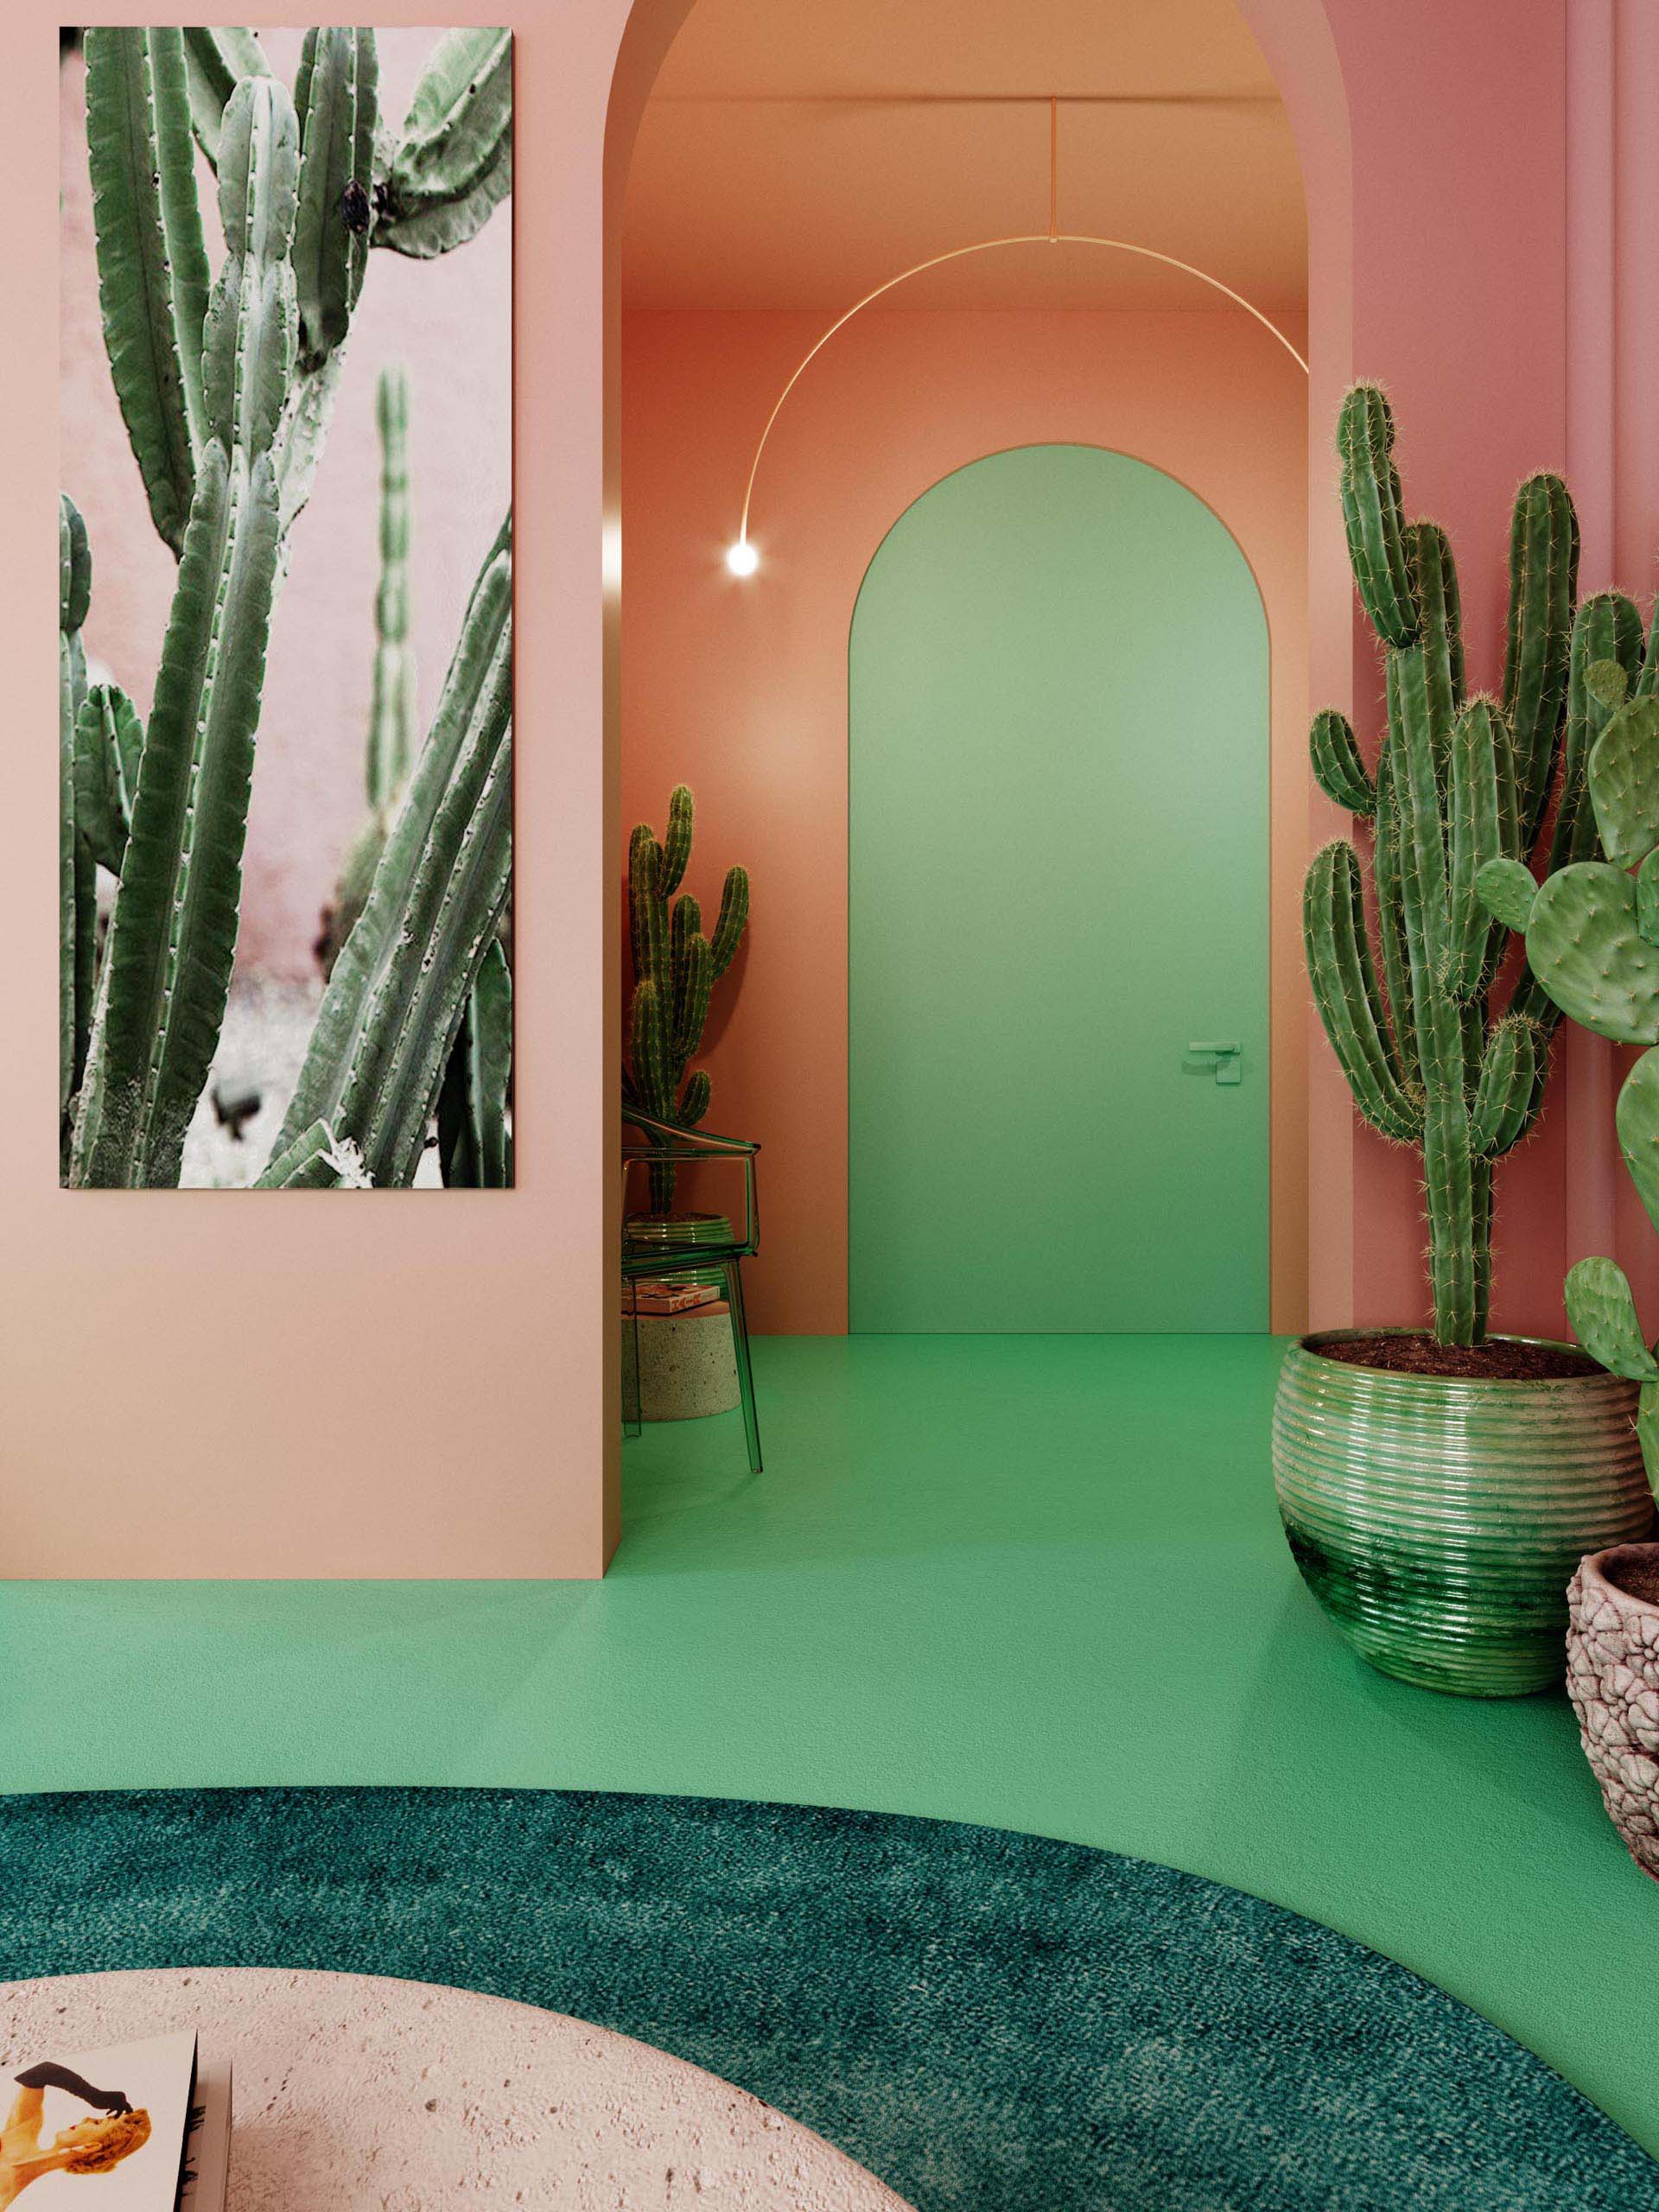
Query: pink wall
741	689
1613	432
1460	271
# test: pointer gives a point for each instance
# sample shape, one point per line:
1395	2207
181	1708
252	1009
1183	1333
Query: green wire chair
663	1256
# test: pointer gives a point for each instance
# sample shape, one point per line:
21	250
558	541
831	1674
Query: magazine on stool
136	2127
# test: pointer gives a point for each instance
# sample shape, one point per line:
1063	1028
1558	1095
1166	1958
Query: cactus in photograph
336	99
452	164
474	1141
421	191
109	738
315	1160
215	61
1461	790
676	968
152	263
393	710
400	987
227	395
166	968
436	182
77	884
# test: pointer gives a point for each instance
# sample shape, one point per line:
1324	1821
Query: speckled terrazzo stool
687	1365
1613	1677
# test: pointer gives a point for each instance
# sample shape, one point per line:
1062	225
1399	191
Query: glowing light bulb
741	558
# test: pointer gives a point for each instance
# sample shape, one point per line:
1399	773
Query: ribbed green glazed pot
1438	1523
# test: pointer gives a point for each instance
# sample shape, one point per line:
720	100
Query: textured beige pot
1437	1522
687	1365
1613	1677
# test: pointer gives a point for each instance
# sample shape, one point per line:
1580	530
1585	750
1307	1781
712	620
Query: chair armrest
690	1147
667	1137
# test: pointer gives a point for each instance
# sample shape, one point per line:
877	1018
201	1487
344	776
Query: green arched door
1058	884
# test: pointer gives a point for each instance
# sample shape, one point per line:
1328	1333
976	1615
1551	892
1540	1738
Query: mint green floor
1034	1581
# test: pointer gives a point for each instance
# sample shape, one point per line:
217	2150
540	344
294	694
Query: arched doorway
740	696
1059	715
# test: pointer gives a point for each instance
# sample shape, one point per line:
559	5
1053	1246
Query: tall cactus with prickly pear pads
1591	935
401	985
1461	790
676	968
166	968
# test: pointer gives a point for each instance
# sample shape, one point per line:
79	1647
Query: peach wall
216	1385
741	689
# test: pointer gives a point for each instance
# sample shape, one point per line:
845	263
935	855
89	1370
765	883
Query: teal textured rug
990	2022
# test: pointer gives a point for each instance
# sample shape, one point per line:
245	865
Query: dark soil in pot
1500	1359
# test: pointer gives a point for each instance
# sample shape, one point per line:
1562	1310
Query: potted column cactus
686	1367
1436	1488
1592	936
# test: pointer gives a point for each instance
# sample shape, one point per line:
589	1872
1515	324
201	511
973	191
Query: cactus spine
1462	787
676	968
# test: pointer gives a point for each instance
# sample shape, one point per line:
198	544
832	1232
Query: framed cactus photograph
285	609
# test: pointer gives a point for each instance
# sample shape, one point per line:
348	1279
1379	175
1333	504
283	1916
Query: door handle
1226	1058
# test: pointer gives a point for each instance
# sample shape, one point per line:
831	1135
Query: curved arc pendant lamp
741	558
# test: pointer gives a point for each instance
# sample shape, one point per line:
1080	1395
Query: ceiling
795	155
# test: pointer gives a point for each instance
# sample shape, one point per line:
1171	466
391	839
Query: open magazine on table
134	2127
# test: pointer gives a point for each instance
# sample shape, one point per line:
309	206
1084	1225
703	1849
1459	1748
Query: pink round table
354	2091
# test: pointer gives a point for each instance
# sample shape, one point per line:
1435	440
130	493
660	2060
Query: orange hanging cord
1054	236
